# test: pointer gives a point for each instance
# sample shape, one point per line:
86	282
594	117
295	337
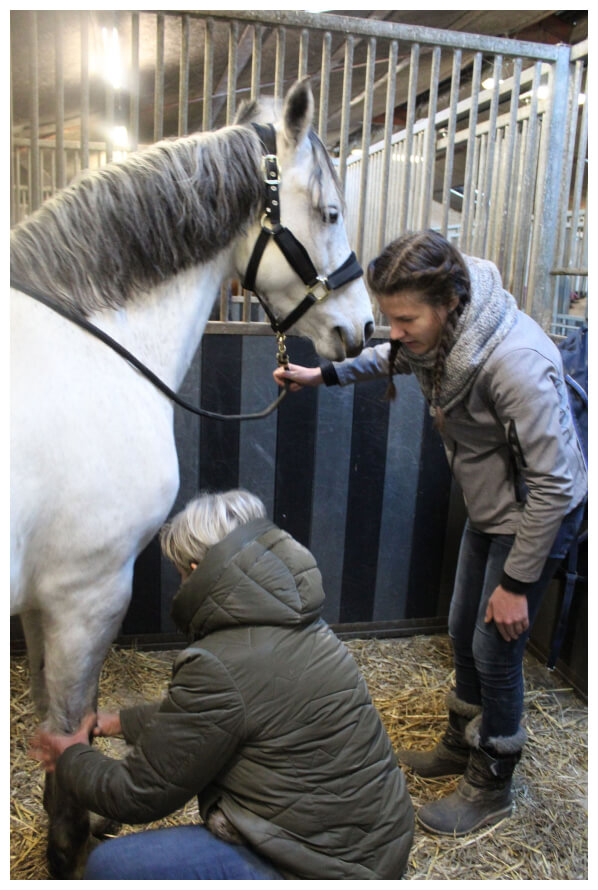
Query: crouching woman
267	719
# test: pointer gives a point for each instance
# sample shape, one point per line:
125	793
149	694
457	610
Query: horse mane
131	225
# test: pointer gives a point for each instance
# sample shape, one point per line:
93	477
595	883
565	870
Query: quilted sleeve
191	737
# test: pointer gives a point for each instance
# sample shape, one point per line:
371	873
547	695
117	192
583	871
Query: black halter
318	286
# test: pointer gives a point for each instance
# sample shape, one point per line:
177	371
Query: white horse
141	249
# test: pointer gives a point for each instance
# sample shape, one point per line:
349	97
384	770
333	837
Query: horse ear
247	111
298	111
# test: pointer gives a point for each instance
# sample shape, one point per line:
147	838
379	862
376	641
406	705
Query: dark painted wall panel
330	491
295	452
402	462
221	392
429	525
364	501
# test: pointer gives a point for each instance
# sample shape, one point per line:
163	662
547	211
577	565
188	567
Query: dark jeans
186	852
488	669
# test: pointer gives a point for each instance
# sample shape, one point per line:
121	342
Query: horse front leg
31	622
75	648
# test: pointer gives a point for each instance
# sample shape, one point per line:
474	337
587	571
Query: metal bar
281	35
208	75
233	40
34	171
572	120
109	120
346	110
360	27
256	61
365	144
224	300
134	100
570	271
184	78
393	54
526	191
159	80
324	86
14	170
450	151
508	155
579	51
17	198
482	229
408	160
84	26
303	54
416	210
514	206
550	166
579	177
59	69
246	306
430	150
479	195
497	196
465	234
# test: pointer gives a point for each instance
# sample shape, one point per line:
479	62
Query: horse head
309	209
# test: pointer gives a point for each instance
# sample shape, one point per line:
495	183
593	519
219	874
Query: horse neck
163	326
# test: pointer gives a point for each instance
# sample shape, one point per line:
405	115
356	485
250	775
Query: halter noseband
318	286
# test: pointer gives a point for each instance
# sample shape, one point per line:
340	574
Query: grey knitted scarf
484	323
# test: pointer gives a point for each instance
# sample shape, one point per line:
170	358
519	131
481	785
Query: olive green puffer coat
268	718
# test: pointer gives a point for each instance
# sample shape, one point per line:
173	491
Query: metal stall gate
420	138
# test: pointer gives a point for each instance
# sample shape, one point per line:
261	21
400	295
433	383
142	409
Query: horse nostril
368	330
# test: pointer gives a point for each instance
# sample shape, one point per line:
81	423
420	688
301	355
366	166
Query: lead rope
133	360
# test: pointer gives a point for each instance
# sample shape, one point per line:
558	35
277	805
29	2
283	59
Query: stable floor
545	839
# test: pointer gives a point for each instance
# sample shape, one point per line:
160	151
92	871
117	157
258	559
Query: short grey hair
205	520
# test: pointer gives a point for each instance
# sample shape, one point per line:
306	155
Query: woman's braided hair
424	262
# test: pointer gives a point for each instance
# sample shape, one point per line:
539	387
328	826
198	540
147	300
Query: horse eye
329	214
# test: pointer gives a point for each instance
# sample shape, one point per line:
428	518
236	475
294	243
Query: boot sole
490	819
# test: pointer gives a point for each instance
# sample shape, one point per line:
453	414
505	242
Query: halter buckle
321	282
270	169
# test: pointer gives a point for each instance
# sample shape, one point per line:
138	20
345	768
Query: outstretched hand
47	746
297	376
509	612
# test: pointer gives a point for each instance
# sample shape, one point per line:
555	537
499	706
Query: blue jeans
488	669
186	852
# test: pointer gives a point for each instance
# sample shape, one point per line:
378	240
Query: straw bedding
545	839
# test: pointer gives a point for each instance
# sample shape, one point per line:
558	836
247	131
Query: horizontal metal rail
388	30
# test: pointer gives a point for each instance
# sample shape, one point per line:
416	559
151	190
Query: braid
446	341
391	390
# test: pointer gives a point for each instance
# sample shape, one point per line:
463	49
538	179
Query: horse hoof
63	866
67	855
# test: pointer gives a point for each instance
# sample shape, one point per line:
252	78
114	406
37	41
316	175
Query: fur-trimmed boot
451	754
483	795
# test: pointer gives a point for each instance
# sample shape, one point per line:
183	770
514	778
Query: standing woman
494	383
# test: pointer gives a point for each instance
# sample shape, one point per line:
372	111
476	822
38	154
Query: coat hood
257	575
